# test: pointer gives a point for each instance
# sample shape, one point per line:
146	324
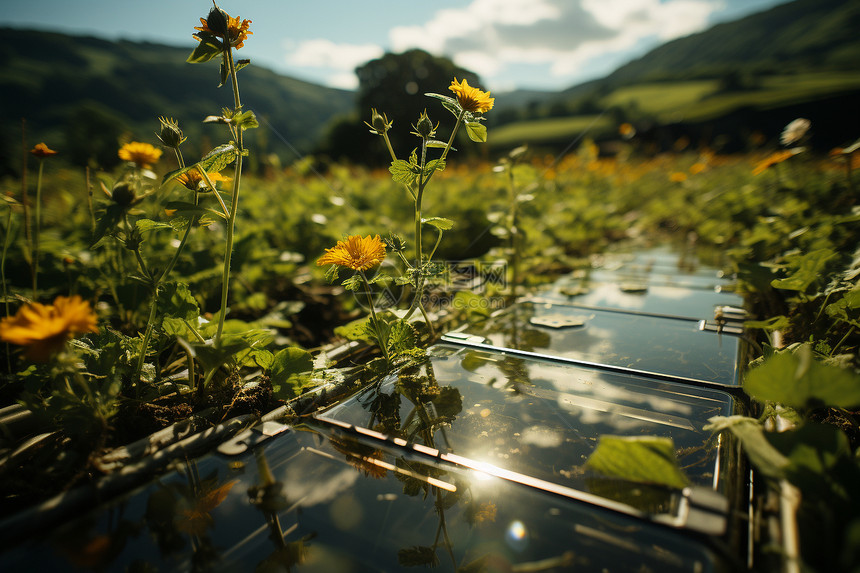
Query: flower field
173	287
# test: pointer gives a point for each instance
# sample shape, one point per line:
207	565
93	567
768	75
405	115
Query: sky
510	44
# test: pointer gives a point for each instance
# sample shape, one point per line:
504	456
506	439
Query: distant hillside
64	85
801	36
753	74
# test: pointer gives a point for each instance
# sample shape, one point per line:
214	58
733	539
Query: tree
395	84
92	136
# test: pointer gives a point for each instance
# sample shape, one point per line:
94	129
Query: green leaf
219	158
798	380
356	330
434	165
380	278
774	323
246	120
476	131
287	374
402	172
402	337
168	177
352	283
760	451
291	361
190	209
175	300
448	103
110	219
212	357
208	48
643	459
436	144
809	268
145	225
439	222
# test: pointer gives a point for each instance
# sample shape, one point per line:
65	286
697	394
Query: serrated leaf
219	158
434	165
401	172
476	131
643	459
798	380
382	279
402	337
439	222
145	225
352	283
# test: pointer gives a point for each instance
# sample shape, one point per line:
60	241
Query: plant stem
156	284
38	227
6	241
376	326
234	206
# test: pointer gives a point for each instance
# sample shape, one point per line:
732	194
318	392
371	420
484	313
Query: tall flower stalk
360	254
468	107
218	35
41	151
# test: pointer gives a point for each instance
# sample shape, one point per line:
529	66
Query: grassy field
547	130
692	102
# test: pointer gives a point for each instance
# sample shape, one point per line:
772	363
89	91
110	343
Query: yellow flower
697	168
356	252
678	177
42	151
44	328
142	154
194	181
471	99
237	31
773	159
626	130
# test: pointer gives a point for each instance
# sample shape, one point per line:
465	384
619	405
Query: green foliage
645	459
797	379
288	372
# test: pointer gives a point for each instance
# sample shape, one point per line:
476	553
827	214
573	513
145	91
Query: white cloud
568	36
336	61
570	40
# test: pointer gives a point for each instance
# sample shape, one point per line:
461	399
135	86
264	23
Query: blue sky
536	44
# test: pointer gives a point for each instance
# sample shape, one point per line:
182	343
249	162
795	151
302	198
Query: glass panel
313	503
645	343
540	418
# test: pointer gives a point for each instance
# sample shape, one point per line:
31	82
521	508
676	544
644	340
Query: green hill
67	87
754	74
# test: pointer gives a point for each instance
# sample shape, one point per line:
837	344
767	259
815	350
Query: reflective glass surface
644	343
